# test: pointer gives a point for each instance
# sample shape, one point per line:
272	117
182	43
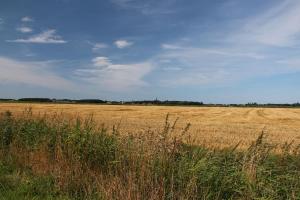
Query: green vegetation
55	157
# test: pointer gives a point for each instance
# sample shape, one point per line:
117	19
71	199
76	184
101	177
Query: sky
230	51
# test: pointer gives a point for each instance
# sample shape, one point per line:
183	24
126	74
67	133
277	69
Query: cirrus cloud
46	37
277	26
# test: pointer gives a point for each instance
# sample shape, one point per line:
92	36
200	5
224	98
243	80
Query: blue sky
231	51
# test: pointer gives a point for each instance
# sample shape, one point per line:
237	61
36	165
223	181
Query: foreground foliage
54	157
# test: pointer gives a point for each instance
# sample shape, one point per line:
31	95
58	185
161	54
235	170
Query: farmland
214	126
63	151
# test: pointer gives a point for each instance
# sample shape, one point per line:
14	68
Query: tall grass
56	157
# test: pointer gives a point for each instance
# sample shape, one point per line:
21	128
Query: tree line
145	102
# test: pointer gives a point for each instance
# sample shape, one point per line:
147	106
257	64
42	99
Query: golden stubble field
212	126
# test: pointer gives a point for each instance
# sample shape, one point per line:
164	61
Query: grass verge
54	157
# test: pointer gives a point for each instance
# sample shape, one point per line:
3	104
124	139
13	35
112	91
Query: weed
55	157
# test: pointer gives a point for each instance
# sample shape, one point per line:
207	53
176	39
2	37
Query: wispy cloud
147	7
31	73
251	50
172	68
27	19
97	46
191	65
121	44
190	51
24	29
292	62
46	37
278	26
192	78
1	21
170	46
115	77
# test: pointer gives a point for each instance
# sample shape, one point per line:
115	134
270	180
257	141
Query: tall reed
59	157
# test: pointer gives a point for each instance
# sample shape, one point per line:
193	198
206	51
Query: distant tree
35	99
90	101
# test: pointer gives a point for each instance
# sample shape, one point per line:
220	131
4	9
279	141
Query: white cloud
115	77
170	46
31	73
147	7
101	62
194	52
189	51
246	55
196	78
189	65
293	63
122	3
46	37
122	44
1	21
26	19
97	46
24	29
250	51
172	68
278	26
165	60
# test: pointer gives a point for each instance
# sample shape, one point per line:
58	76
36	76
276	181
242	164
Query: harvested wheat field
213	126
